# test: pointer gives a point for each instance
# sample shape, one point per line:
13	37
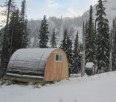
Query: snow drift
98	88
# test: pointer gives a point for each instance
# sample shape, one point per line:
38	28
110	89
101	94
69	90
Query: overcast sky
65	8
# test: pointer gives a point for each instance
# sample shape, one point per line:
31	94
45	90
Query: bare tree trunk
83	54
8	13
111	48
110	62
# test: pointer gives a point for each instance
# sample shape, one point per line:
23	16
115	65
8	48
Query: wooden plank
55	71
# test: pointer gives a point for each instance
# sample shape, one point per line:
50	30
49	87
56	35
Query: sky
36	9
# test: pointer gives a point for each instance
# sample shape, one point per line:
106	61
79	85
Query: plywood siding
55	71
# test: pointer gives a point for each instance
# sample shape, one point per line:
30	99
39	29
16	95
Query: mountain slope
110	6
72	24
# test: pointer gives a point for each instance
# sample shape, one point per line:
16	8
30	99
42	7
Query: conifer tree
69	54
76	56
64	41
114	44
102	40
24	29
90	38
43	36
6	48
53	39
66	45
1	46
1	41
15	31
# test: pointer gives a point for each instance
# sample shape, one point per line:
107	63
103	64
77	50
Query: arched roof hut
48	64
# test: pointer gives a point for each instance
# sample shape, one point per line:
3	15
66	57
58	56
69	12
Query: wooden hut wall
56	70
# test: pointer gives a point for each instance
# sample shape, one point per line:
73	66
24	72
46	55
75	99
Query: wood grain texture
54	70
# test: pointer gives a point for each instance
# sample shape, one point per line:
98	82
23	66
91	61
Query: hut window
58	57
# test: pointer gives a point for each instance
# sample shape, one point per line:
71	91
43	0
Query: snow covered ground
98	88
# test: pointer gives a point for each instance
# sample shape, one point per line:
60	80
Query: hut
47	64
90	68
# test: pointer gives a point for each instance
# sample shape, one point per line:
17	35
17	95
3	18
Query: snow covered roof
32	54
89	65
31	60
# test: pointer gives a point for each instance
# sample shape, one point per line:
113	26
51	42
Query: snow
98	88
32	53
30	59
110	11
72	24
89	65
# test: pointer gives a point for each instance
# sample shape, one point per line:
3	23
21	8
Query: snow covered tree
53	39
64	41
66	45
24	28
76	56
15	31
18	29
114	44
102	40
69	54
1	40
6	38
43	36
90	38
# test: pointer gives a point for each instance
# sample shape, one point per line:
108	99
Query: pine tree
1	46
43	36
69	54
76	56
15	31
24	29
53	39
6	48
87	52
64	41
1	41
102	40
66	45
114	44
90	38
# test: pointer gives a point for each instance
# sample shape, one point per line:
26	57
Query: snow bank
98	88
